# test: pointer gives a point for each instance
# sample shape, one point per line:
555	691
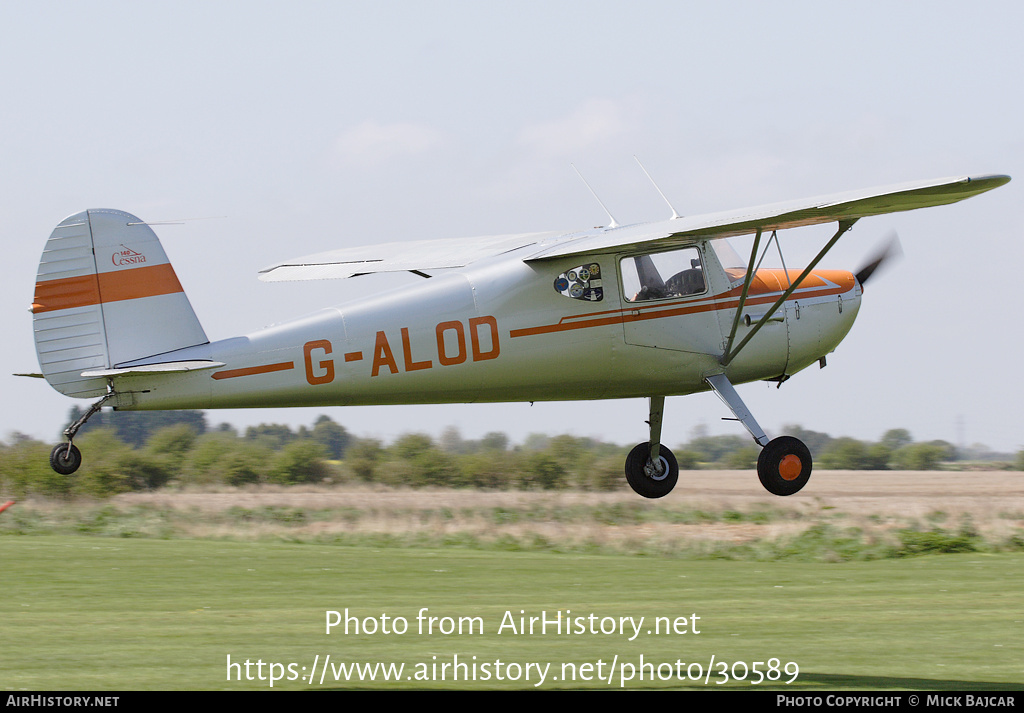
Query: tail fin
105	295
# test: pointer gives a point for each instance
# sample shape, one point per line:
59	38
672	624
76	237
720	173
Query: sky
294	128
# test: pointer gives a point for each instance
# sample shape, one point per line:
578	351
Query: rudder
105	295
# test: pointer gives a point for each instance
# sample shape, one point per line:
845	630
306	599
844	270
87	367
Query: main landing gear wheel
784	466
648	479
65	458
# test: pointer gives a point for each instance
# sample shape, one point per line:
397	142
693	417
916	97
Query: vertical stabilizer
106	294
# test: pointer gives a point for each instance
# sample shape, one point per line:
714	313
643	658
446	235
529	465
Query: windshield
735	267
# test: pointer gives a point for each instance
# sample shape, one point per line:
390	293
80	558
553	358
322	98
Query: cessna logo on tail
127	256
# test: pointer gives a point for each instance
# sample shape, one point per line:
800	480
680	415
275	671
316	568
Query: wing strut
731	353
743	297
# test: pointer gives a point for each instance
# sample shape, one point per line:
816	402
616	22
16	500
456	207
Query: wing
459	252
397	257
778	216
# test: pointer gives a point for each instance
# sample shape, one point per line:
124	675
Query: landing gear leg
651	469
784	465
723	387
65	458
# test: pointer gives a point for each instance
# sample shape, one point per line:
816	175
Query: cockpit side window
657	276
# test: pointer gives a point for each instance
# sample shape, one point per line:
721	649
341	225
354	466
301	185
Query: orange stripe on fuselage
86	290
250	370
765	288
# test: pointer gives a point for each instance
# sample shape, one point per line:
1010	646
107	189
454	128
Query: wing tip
995	179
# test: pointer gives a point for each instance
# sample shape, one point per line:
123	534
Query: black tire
784	466
65	458
644	484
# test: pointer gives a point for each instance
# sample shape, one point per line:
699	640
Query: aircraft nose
889	249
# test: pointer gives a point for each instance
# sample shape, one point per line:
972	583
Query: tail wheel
784	466
65	458
647	478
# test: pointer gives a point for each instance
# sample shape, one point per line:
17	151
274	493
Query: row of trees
895	451
190	453
126	451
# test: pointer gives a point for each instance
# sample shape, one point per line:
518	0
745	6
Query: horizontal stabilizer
168	367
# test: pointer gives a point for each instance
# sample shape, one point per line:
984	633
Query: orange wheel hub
790	467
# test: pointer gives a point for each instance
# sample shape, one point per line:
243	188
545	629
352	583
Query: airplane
648	310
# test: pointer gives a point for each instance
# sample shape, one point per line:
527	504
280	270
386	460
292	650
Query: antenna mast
674	213
613	223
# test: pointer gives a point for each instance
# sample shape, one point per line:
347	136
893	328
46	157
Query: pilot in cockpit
683	283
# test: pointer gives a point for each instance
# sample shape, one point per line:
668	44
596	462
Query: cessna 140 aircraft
648	310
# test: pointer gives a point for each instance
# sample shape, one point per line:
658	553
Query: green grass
623	528
93	613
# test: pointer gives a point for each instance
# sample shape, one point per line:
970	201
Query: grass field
157	590
93	613
840	516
